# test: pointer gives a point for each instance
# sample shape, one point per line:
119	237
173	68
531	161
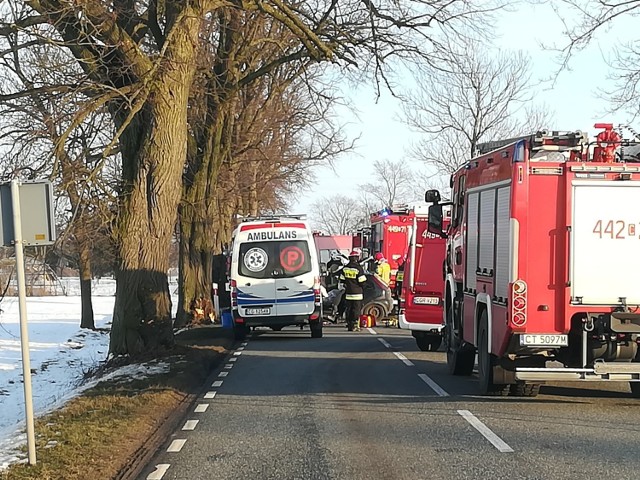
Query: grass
95	435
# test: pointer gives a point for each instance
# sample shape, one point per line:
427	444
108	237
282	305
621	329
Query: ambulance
275	275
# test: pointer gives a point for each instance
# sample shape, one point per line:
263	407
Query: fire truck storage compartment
605	237
488	238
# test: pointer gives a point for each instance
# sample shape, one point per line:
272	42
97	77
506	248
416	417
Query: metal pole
24	332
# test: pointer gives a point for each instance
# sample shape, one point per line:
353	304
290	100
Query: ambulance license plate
257	311
426	300
544	340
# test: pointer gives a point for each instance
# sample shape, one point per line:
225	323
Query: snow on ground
60	352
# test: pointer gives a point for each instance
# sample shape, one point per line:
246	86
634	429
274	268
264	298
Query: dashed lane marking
190	425
243	344
176	445
223	374
404	359
372	331
237	353
210	395
384	342
228	365
240	349
486	432
216	384
161	469
434	386
233	359
201	408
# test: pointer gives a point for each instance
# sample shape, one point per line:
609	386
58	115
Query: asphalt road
370	405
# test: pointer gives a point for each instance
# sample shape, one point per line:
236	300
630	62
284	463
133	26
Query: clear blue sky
573	98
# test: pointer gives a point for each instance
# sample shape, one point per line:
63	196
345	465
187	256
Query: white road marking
159	473
210	395
404	359
237	353
434	386
223	374
240	349
176	446
229	365
372	331
244	344
190	424
384	342
233	359
201	408
486	432
216	384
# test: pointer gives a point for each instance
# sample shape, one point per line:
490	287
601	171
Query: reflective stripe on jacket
353	277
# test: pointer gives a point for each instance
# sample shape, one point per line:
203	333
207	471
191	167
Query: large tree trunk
142	312
84	249
199	228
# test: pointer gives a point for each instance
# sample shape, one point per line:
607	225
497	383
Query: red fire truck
389	234
422	293
542	269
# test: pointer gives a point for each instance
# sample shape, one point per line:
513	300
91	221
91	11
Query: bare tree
140	60
338	215
478	95
393	183
583	20
31	127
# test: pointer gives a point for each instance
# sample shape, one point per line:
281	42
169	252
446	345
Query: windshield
274	259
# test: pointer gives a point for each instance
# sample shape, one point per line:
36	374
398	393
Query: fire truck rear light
519	303
519	287
519	319
239	320
314	316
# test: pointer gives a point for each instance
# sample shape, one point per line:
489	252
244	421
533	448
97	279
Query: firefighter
383	269
354	278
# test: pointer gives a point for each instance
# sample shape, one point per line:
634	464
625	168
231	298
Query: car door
255	284
295	278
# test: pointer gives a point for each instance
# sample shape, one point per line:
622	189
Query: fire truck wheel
428	343
525	389
486	362
460	359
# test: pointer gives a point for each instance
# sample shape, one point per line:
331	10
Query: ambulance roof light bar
274	218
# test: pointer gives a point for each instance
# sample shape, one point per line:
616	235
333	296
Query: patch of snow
61	353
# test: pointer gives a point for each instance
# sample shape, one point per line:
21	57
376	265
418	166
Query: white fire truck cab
542	269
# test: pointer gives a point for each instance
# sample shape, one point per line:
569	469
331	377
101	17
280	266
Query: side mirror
432	196
435	219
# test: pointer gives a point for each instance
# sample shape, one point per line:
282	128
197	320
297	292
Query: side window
461	197
458	202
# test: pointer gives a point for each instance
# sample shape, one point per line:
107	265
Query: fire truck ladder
541	140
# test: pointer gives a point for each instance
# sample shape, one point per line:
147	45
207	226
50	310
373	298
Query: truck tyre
486	362
525	389
316	329
460	359
428	343
239	332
